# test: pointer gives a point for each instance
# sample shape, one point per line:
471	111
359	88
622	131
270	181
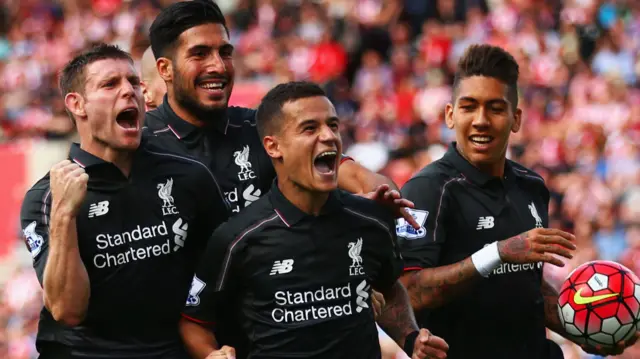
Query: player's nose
327	134
215	64
127	89
480	118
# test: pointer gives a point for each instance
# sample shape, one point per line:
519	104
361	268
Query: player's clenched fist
68	187
537	245
224	352
429	346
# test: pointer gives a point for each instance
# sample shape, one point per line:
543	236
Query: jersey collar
470	171
83	158
181	128
290	214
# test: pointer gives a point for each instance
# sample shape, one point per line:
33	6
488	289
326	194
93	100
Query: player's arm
397	318
551	315
356	179
430	285
59	266
209	291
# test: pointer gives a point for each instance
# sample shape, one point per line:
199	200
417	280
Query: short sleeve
214	278
392	264
421	248
34	221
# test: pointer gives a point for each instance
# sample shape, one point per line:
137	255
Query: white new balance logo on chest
485	222
98	209
282	267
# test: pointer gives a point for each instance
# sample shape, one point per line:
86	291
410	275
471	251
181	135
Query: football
599	304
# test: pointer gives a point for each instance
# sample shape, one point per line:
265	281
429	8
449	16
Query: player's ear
74	102
448	115
165	69
517	121
272	146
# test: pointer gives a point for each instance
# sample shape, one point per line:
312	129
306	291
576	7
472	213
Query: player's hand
619	349
68	183
537	245
384	195
377	301
429	346
224	352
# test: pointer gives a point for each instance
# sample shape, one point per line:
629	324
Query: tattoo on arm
397	318
433	287
551	316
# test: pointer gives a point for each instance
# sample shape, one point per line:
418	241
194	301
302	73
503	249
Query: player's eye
198	53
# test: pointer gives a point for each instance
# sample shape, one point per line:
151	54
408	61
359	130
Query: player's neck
121	159
307	201
494	169
183	113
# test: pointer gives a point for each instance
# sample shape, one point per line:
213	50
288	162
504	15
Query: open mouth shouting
128	119
325	163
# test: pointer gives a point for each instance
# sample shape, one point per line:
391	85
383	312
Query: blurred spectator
387	65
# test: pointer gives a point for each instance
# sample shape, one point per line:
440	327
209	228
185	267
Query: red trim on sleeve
345	159
409	269
196	320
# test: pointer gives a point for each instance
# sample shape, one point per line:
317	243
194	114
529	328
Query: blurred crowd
388	66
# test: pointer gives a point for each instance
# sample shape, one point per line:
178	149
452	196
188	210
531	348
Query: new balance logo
485	222
98	209
282	267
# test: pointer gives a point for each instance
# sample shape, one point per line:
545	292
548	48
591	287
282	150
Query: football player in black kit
301	260
474	268
194	57
114	229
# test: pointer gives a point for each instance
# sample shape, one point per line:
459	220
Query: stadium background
387	65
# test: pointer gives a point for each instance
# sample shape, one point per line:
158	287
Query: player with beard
113	230
194	56
474	268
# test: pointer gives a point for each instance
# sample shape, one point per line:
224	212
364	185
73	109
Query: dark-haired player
114	229
194	55
302	260
474	268
190	41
